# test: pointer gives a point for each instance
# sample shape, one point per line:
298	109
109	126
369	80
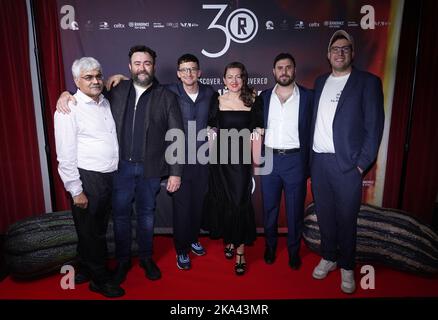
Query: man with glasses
194	100
88	154
347	126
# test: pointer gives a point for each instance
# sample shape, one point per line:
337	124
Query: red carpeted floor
212	278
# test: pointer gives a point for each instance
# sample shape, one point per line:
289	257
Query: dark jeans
337	198
130	186
187	206
91	223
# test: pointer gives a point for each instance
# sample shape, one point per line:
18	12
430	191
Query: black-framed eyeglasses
89	78
188	70
344	49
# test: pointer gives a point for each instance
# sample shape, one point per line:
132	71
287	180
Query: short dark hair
187	57
282	56
142	48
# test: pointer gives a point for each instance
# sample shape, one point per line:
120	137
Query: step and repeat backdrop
252	32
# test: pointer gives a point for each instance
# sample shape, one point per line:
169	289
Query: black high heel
229	252
240	267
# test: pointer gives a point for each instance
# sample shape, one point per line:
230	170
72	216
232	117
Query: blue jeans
129	185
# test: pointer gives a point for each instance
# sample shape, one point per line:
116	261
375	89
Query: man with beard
347	127
287	114
143	111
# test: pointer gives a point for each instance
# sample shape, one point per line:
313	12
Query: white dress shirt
282	130
85	138
328	103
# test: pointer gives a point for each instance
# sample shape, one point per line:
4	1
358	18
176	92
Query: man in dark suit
287	114
347	126
143	112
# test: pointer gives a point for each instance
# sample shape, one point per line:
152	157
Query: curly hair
247	93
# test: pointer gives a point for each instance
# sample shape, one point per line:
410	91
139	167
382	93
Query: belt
285	151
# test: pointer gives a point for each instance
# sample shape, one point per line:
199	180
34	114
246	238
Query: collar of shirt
86	99
294	92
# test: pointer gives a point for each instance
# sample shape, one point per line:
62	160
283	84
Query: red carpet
212	278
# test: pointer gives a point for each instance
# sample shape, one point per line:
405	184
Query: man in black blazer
347	126
287	110
143	112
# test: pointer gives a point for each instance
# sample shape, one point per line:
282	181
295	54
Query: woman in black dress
229	210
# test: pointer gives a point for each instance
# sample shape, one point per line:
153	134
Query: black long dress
228	207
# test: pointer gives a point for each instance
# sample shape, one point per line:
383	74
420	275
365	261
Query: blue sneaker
183	261
198	249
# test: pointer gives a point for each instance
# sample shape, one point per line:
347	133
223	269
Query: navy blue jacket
359	119
193	111
304	115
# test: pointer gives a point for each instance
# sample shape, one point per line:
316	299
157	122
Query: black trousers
337	198
187	206
91	224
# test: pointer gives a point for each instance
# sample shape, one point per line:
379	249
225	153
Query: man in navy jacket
194	101
347	126
287	110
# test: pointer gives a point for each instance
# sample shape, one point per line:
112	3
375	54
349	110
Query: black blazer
162	114
359	119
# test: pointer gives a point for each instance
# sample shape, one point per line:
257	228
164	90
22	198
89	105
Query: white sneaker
347	285
323	268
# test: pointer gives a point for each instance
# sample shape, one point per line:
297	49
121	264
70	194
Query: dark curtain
53	83
420	187
21	192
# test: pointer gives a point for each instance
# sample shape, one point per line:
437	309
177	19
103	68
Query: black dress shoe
295	262
121	271
107	289
269	255
81	278
152	271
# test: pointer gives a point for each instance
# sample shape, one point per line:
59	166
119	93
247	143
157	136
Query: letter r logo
242	25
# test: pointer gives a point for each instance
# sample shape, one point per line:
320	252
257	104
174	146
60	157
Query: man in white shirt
287	112
88	154
347	127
